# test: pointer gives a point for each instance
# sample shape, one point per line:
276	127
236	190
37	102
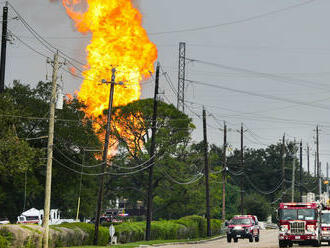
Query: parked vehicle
35	216
31	216
4	221
243	227
325	225
299	223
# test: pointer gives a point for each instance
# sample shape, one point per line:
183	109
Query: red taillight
324	228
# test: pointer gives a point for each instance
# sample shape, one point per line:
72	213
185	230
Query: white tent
32	212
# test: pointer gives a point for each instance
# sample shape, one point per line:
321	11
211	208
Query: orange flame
118	40
73	71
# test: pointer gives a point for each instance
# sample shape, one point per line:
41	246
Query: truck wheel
251	239
235	240
228	238
256	239
291	244
328	243
317	243
282	243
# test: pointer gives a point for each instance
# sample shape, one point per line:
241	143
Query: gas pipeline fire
119	41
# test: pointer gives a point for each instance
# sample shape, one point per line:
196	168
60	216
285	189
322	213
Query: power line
265	96
234	22
285	79
105	173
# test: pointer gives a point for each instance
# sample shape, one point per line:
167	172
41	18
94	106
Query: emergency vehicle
243	227
299	223
325	225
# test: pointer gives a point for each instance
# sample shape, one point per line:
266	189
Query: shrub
78	234
129	232
188	227
103	238
193	227
6	238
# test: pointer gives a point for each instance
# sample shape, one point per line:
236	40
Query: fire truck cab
299	223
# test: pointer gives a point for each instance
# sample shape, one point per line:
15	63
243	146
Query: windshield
297	214
325	218
306	214
242	221
32	218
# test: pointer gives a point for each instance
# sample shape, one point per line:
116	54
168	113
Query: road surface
268	239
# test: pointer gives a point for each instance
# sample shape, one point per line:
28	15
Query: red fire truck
299	223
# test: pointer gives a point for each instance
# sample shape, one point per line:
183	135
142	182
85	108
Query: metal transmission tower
181	75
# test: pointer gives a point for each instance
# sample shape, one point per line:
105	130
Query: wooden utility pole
283	165
3	47
152	153
300	172
293	174
104	156
318	161
315	167
48	186
242	168
206	173
80	184
308	160
224	172
328	178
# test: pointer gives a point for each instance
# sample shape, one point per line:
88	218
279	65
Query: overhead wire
105	173
193	180
278	78
265	96
234	22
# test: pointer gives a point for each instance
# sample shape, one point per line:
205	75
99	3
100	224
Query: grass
137	244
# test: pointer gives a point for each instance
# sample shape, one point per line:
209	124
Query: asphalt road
268	239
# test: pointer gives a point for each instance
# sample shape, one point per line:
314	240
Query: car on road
243	227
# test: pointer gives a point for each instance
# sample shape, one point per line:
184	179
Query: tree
258	205
22	156
17	158
132	129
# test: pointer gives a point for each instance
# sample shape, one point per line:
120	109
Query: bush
130	232
6	238
78	234
103	238
196	226
188	227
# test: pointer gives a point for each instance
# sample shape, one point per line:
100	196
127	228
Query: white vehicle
325	226
4	221
35	216
31	216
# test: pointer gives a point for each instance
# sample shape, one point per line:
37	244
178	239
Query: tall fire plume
118	40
